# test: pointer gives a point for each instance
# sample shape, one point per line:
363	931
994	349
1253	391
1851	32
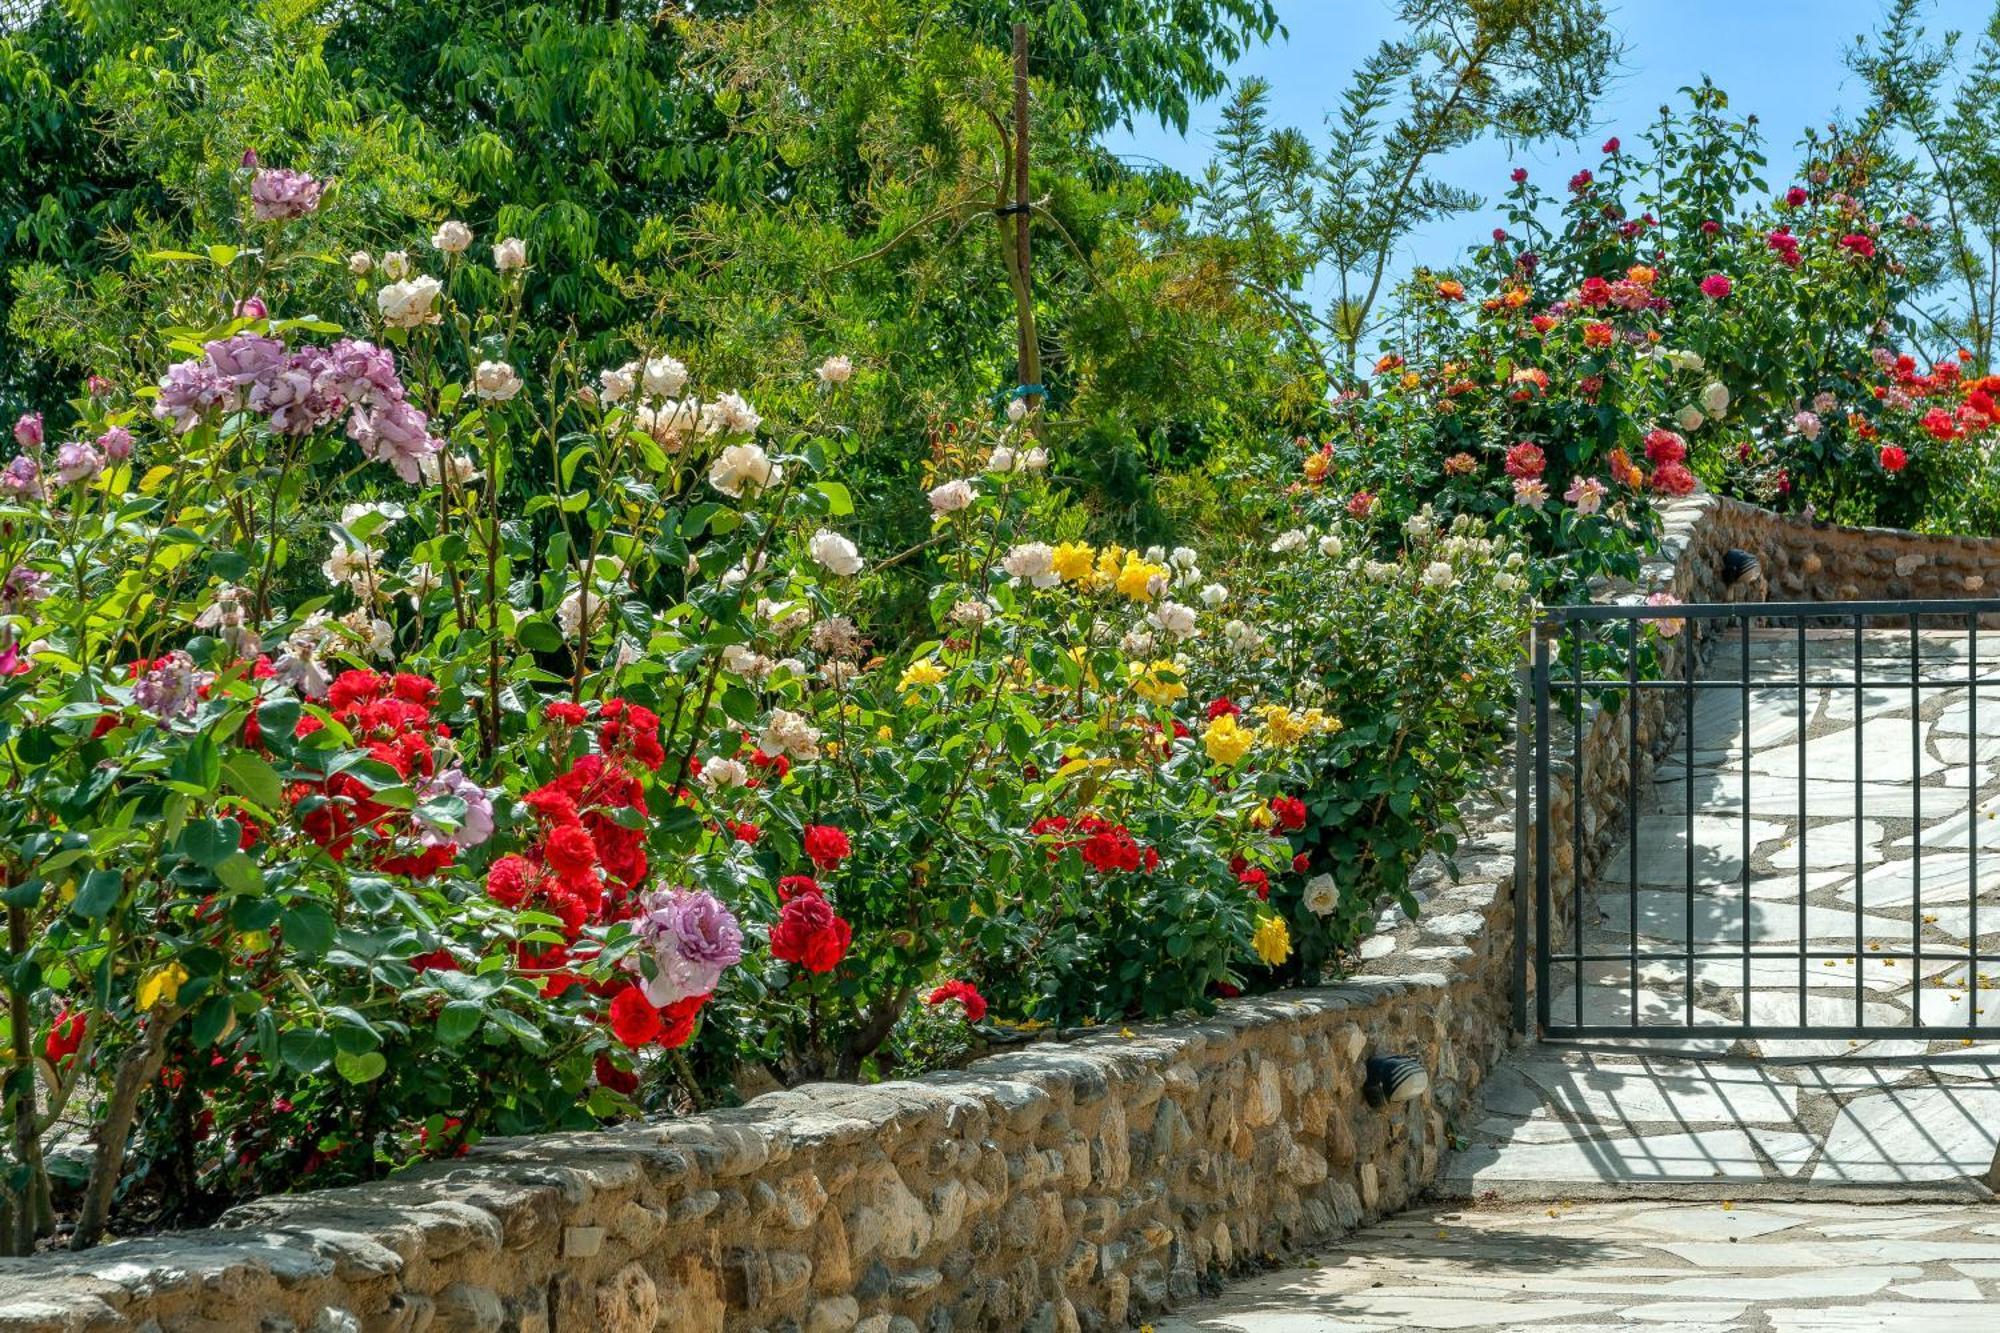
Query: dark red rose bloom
565	714
1221	704
1291	812
966	994
791	886
809	934
826	845
570	851
677	1021
634	1020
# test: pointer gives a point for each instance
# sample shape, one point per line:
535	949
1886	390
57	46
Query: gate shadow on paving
1623	1267
1811	855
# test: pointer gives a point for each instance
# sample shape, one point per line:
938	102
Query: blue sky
1781	59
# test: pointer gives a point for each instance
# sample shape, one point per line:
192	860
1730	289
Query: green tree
1519	70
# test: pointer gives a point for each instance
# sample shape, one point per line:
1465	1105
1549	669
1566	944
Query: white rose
1003	460
1331	546
1322	895
1033	561
729	415
1689	418
1437	574
835	553
511	255
616	385
951	497
1214	595
396	265
453	237
1136	643
790	735
1173	619
742	465
1017	409
360	263
1715	399
665	377
1035	460
1292	540
1184	557
406	305
972	612
495	381
836	370
721	774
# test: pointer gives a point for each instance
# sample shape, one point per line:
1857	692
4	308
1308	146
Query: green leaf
539	634
239	874
522	1030
307	1050
211	1020
308	928
363	1068
248	774
839	501
458	1021
98	894
208	842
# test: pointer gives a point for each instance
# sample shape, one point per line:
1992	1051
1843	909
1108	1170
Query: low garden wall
1067	1185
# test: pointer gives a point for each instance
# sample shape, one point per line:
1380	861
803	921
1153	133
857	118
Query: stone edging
1062	1186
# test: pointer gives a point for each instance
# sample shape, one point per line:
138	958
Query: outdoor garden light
1395	1078
1737	565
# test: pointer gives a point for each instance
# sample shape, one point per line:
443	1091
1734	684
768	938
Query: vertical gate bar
1577	788
1745	642
1689	628
1860	871
1544	810
1972	833
1523	812
1804	1009
1632	808
1916	826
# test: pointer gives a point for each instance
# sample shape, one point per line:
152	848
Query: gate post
1524	812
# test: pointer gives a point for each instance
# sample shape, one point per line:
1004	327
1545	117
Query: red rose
809	934
678	1020
1526	460
612	1077
509	880
1858	245
791	886
570	851
65	1036
826	845
1893	459
1301	863
1673	479
1257	880
565	715
634	1020
1221	704
967	995
1664	446
1291	812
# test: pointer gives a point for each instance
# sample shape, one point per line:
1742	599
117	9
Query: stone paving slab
1636	1265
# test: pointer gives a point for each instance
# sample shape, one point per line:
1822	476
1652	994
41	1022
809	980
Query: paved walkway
1639	1267
1781	1186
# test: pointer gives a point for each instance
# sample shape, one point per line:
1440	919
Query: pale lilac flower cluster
300	391
280	195
170	687
115	444
692	938
475	826
21	589
77	463
21	479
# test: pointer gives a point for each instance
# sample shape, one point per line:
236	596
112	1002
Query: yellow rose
162	985
1273	940
924	671
1316	465
1158	683
1072	561
1135	578
1226	742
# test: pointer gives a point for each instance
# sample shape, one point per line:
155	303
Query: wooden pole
1028	354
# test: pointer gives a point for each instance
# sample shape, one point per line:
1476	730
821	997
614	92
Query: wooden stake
1028	354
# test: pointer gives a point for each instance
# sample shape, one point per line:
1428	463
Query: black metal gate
1727	894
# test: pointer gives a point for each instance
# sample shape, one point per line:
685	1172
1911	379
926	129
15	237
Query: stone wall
1805	560
1067	1185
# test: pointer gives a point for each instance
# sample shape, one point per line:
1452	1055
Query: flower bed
410	746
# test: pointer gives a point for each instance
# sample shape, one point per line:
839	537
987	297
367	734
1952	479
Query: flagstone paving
1671	1182
1637	1266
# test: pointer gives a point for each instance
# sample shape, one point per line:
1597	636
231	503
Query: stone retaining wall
1073	1185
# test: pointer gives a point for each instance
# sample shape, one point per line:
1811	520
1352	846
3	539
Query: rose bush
408	743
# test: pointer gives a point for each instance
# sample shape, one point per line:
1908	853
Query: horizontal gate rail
1592	980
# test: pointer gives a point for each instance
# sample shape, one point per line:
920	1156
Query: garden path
1721	1182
